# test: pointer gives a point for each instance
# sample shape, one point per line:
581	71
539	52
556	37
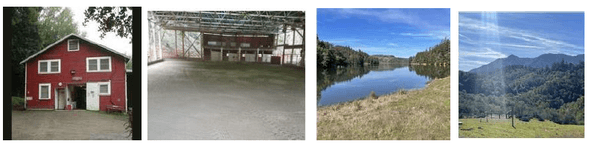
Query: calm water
346	84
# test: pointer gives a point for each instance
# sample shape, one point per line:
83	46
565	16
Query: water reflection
345	84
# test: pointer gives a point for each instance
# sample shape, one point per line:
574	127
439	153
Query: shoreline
369	97
420	114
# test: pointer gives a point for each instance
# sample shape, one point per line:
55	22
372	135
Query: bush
373	95
18	103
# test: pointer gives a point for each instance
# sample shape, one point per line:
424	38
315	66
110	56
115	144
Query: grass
473	128
405	115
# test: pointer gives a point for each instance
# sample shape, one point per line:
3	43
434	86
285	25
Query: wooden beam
183	43
176	43
293	43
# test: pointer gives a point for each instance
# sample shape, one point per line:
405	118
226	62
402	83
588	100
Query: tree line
436	55
332	56
554	93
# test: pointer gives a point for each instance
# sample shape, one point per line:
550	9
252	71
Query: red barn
76	73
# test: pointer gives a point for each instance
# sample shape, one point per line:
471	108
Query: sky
398	32
111	40
487	36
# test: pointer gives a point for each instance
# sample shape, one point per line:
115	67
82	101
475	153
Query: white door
215	56
62	99
250	58
266	58
92	98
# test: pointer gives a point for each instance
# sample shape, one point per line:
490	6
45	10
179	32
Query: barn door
250	57
92	98
215	56
62	99
232	57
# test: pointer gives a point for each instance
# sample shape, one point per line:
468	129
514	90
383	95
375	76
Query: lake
347	84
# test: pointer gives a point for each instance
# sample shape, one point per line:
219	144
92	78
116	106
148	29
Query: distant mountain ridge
390	59
538	62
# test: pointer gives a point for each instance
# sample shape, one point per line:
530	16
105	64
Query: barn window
45	91
98	64
49	66
244	44
104	88
232	44
212	43
73	45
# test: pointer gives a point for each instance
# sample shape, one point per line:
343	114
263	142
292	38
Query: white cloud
484	53
469	25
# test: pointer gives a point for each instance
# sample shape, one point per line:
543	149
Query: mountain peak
512	56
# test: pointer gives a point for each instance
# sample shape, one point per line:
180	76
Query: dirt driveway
225	100
68	125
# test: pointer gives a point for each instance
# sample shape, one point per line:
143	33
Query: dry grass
405	115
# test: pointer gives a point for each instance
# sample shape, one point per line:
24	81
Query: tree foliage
331	56
551	93
56	23
436	55
111	19
25	41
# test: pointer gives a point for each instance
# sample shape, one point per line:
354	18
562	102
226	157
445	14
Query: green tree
56	23
25	41
111	19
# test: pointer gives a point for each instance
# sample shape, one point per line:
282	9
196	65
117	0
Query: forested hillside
331	56
553	93
437	55
390	59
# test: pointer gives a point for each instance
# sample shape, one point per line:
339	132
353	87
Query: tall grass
405	115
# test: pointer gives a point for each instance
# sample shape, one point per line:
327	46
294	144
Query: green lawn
405	115
480	128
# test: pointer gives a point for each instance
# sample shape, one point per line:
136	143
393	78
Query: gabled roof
127	58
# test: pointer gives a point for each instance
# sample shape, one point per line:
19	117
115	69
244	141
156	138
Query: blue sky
398	32
487	36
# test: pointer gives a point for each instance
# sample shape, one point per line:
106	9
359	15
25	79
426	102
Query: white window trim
49	91
87	64
104	83
69	45
49	66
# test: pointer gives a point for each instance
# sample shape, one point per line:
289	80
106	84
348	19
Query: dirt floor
225	100
68	125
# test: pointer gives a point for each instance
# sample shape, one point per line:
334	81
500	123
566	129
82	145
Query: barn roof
229	22
127	58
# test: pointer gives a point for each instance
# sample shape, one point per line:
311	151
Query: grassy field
480	128
405	115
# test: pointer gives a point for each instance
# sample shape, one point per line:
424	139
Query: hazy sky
398	32
112	41
487	36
